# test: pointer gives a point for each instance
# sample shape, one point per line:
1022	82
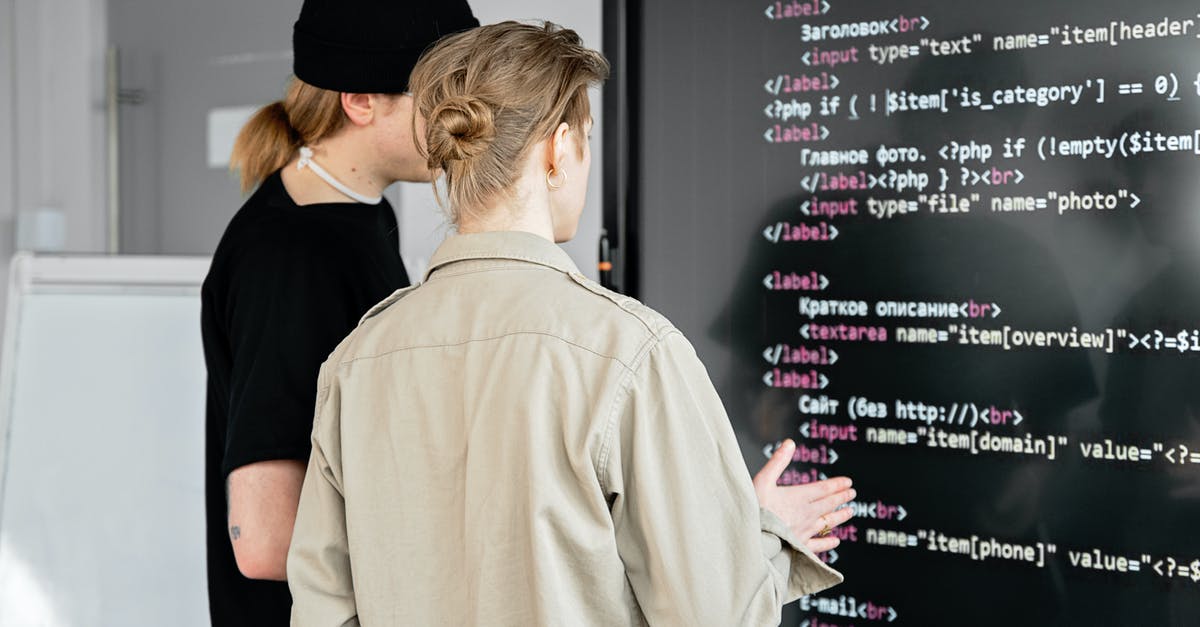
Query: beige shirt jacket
508	443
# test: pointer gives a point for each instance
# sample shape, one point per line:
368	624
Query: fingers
834	501
826	487
839	517
773	469
823	543
833	517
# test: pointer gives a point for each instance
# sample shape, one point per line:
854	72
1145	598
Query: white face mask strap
306	161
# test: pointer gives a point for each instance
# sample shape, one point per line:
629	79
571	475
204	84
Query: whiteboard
102	391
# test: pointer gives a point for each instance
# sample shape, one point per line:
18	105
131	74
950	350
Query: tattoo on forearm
235	532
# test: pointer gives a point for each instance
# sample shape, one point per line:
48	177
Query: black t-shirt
287	283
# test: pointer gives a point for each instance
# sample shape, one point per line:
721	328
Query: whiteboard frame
49	274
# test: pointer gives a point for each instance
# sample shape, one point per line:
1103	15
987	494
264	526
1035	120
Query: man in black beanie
308	254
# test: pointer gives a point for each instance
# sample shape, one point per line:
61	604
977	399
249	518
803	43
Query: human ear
560	142
360	108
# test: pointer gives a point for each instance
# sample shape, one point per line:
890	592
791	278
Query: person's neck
342	159
527	212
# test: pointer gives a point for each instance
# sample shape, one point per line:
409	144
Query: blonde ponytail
271	138
265	144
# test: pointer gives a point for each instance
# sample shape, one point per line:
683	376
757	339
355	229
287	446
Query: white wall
8	193
422	226
188	58
60	133
52	148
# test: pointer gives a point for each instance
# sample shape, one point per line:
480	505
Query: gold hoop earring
550	182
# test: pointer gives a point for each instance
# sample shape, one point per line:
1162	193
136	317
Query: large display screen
951	248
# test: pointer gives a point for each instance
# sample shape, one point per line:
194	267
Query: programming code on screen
952	249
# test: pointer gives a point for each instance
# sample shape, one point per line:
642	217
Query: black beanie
370	46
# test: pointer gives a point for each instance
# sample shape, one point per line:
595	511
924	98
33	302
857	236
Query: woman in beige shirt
508	443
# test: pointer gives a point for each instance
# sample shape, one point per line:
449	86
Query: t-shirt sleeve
288	307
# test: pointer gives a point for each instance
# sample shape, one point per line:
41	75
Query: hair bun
460	129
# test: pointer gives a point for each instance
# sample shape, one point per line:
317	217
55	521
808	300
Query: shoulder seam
619	399
622	302
613	358
392	299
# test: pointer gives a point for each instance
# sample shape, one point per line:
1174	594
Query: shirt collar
514	245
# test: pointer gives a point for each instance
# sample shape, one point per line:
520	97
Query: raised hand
810	510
